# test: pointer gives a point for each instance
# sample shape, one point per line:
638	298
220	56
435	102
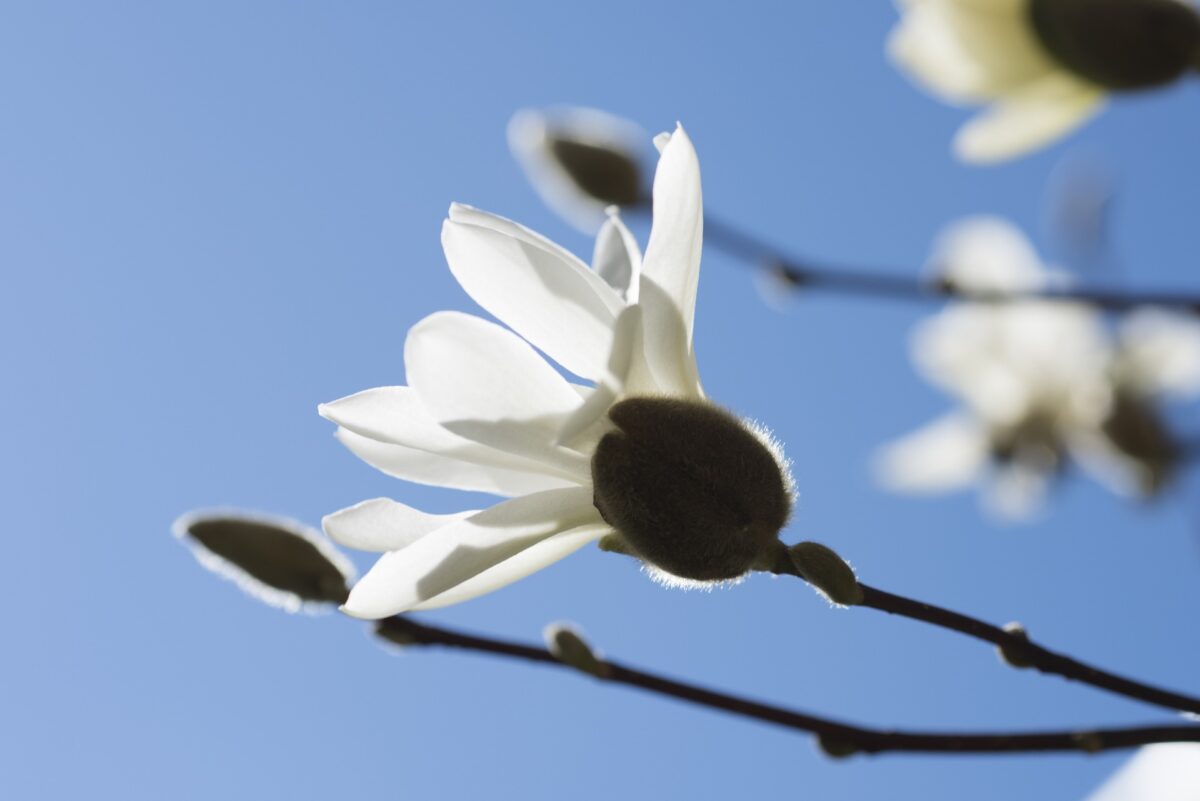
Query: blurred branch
1014	644
804	274
835	737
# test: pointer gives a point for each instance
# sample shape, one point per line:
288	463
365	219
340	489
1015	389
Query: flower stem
835	736
804	274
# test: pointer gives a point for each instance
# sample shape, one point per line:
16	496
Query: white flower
1039	381
1044	66
1162	772
580	160
484	411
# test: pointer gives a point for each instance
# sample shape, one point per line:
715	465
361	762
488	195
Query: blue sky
214	216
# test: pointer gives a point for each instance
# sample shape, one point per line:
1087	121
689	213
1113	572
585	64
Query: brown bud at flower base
1119	44
690	488
1136	430
609	176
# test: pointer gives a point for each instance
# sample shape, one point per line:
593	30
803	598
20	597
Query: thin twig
835	736
803	273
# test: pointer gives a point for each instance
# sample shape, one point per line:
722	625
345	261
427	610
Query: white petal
1028	119
1015	491
1160	353
947	454
529	134
671	270
538	289
439	470
617	258
968	51
382	524
528	561
987	255
1161	772
457	553
597	403
484	383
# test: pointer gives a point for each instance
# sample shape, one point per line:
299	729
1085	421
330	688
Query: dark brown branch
835	737
804	274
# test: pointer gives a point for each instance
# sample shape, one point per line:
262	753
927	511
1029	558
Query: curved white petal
457	553
1161	772
948	454
534	286
381	524
1160	353
606	392
485	383
987	255
617	258
529	135
441	470
529	561
1028	119
670	272
1015	491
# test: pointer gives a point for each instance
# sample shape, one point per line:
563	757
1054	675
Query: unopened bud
828	573
275	560
1119	44
395	630
690	488
1015	657
835	748
569	647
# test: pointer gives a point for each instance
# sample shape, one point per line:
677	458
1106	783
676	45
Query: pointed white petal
987	255
395	415
527	562
597	403
484	383
670	272
538	289
1160	353
947	454
440	470
382	524
1015	491
457	553
617	258
1028	119
1161	772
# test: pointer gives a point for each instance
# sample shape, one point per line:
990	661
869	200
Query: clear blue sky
215	215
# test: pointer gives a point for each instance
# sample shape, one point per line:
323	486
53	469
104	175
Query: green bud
834	748
1013	656
1119	44
828	573
277	561
691	490
569	647
610	176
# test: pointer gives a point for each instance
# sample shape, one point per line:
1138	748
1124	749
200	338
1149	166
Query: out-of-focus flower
640	458
274	559
1162	772
580	160
1040	382
1044	66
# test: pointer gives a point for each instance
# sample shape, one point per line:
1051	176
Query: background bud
569	647
690	488
276	560
829	573
1011	656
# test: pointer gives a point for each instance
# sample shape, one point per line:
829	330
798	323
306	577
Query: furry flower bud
690	488
1119	44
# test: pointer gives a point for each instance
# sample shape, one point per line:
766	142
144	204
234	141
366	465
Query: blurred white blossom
484	411
1043	67
1163	772
580	160
1039	382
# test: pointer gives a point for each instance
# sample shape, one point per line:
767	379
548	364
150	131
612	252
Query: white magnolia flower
1043	66
1162	772
580	160
1039	382
484	411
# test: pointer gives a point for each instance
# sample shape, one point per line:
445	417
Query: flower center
1119	44
690	488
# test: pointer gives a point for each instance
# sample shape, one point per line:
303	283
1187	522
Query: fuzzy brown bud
690	488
